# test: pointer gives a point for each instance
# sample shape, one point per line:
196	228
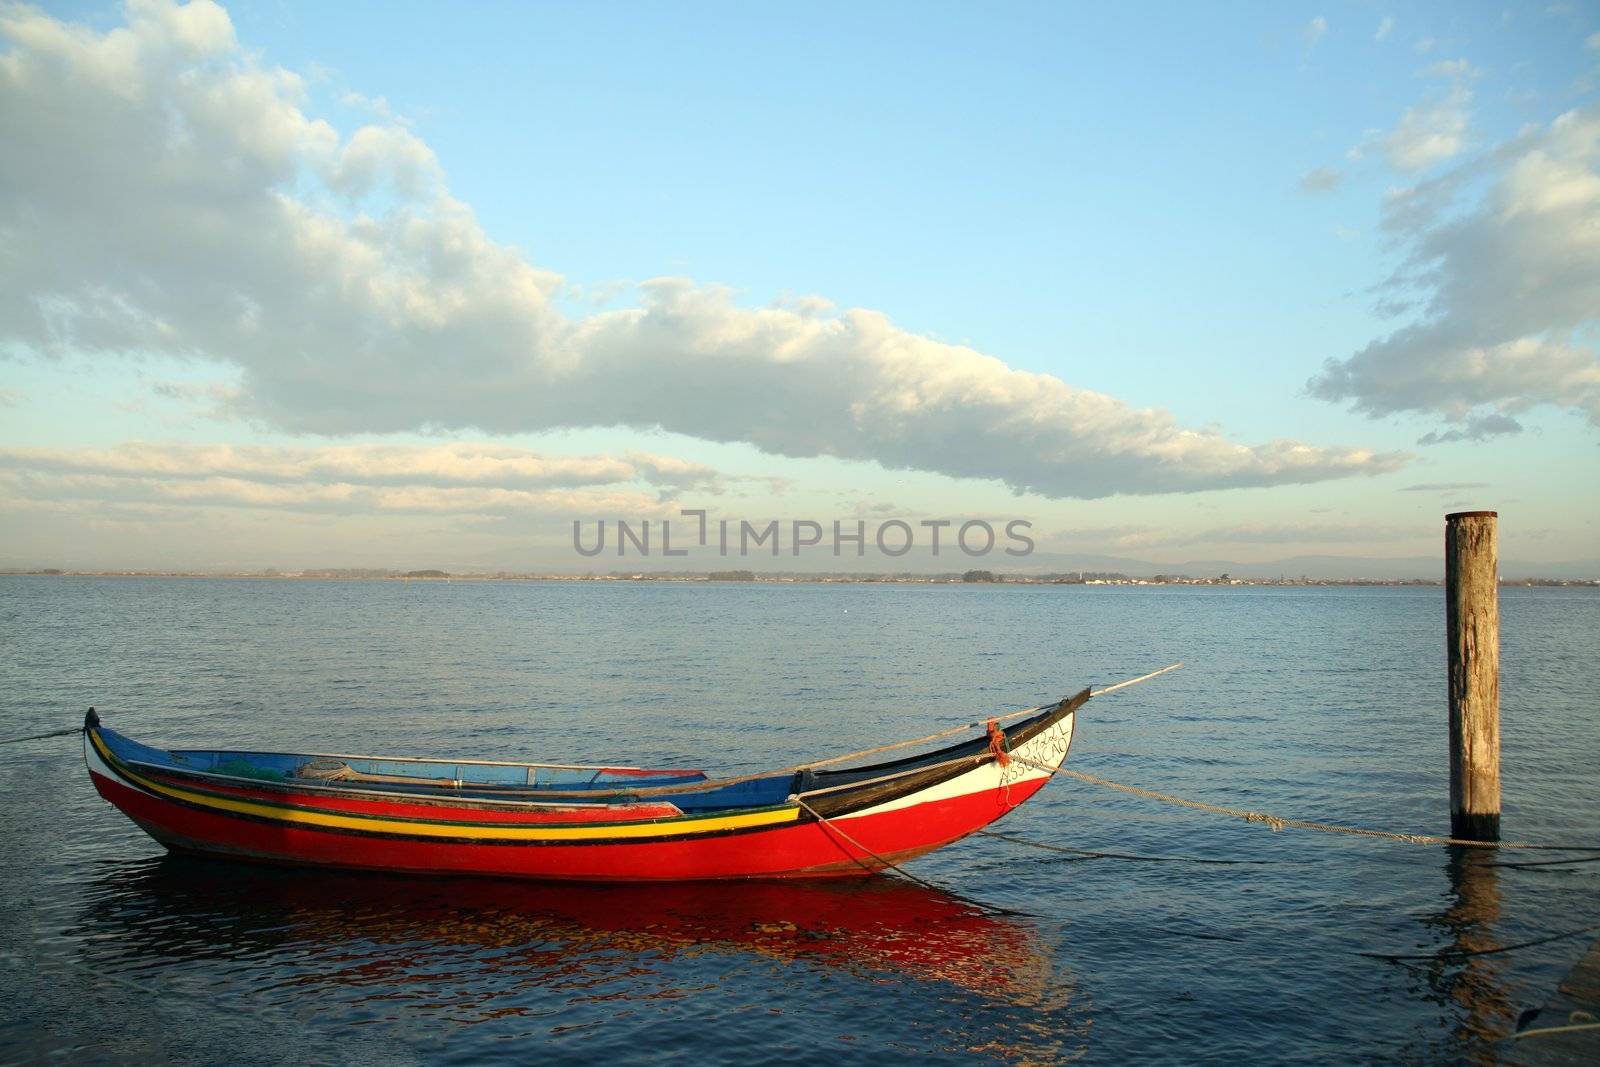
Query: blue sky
1184	209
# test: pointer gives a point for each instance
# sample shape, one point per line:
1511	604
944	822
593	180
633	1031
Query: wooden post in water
1472	627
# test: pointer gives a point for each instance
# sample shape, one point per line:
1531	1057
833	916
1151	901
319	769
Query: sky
405	285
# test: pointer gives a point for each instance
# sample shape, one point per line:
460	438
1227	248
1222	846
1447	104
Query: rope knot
1273	821
998	745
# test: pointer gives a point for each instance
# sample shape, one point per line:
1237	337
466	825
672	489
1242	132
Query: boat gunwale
960	763
559	835
976	759
434	759
356	793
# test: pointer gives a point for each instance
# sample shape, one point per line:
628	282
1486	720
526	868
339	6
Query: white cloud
1509	285
336	498
449	465
452	479
1429	132
1321	180
1314	30
379	155
165	193
1474	428
375	105
1385	27
1452	68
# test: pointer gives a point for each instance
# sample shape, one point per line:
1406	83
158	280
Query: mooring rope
1446	955
1088	855
823	821
41	737
1280	823
1569	1028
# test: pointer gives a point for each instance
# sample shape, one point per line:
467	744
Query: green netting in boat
240	769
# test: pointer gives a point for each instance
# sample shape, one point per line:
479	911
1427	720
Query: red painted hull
804	850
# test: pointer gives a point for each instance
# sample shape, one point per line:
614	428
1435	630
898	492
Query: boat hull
784	841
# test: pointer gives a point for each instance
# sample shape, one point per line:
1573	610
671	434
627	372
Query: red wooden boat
588	823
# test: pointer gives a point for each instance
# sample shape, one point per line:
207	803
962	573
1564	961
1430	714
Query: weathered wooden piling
1472	627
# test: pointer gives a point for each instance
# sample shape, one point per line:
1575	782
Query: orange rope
997	744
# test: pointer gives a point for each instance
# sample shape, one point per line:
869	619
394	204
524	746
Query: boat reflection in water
476	950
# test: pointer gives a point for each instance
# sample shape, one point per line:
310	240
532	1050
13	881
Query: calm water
1321	703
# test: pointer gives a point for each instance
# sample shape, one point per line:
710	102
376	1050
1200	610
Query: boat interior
479	779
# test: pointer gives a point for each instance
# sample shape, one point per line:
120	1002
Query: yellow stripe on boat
378	824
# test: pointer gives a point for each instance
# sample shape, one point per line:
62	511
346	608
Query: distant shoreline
780	578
